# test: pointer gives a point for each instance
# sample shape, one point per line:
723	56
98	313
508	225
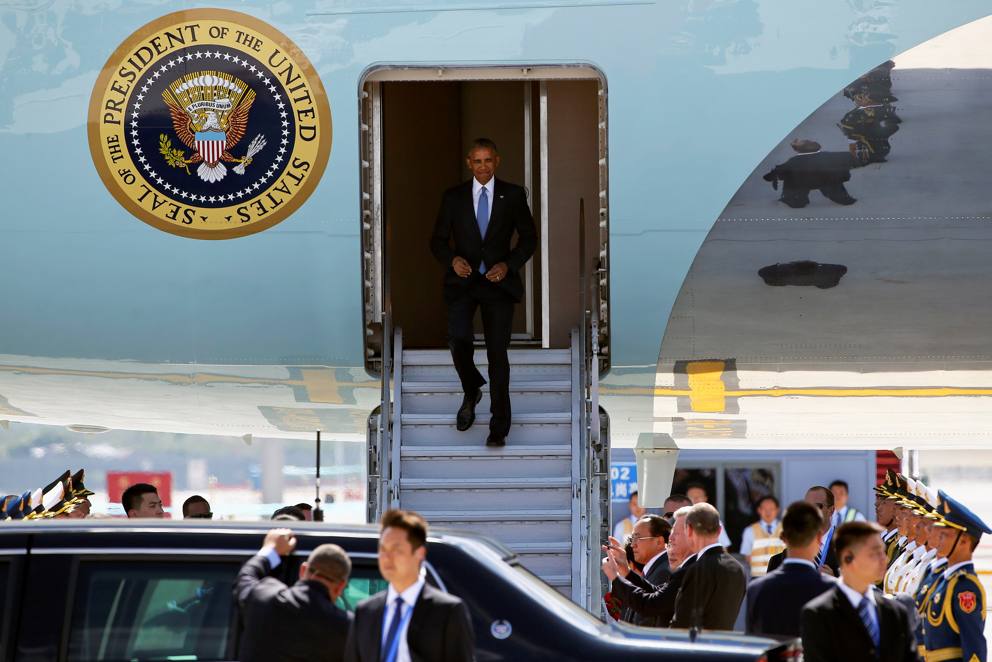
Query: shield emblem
210	145
967	601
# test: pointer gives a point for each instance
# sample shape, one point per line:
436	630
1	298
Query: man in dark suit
292	623
482	271
714	585
775	600
653	604
411	620
826	560
852	621
649	541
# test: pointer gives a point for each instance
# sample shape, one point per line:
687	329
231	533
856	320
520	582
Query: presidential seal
209	124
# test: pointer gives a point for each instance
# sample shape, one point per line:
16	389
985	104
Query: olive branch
174	157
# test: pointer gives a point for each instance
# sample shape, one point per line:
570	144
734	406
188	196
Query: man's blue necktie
870	625
482	218
394	629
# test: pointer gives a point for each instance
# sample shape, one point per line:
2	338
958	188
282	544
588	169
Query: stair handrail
383	452
396	432
590	297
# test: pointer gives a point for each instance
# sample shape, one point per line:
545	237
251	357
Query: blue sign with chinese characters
623	480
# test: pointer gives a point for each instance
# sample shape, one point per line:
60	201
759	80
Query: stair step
540	418
516	356
520	403
486	452
448	386
528	526
460	483
558	581
537	515
445	434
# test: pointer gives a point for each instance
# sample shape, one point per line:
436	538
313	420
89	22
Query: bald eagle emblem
209	111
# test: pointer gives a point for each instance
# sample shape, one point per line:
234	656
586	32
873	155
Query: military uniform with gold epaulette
954	611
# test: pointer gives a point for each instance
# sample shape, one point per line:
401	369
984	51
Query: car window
365	580
134	610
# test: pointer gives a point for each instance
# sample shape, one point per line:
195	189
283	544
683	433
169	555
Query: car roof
465	540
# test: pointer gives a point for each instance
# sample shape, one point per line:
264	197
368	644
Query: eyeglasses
201	516
636	538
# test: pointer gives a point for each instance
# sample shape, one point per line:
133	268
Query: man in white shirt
411	619
851	621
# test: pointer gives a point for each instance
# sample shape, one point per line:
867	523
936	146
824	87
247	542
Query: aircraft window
152	611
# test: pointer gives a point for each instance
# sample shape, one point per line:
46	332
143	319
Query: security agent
775	600
954	611
826	561
298	622
853	621
411	620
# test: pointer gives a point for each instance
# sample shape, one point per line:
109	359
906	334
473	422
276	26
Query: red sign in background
118	481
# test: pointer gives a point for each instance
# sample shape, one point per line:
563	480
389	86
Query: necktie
870	625
394	628
482	218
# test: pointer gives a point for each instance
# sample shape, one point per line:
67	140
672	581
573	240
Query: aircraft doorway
550	126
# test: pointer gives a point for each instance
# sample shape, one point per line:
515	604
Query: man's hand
619	555
610	568
461	267
497	272
282	540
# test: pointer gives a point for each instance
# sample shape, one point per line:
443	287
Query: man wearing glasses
649	540
196	507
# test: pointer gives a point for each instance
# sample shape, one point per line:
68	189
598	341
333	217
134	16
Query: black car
109	590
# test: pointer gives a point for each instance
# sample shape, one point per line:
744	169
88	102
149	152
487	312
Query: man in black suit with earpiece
482	271
854	621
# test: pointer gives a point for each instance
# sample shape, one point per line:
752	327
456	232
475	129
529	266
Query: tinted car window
134	610
365	580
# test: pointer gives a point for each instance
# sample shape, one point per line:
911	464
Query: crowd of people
901	588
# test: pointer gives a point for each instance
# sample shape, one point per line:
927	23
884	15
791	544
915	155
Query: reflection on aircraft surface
268	401
892	346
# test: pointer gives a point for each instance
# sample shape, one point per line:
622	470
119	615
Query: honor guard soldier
955	610
921	530
911	578
885	512
901	520
908	521
932	572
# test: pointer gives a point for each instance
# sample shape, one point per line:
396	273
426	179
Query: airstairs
545	495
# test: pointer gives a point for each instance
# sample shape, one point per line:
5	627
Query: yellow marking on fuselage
706	388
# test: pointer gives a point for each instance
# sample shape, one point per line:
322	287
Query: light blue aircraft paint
105	319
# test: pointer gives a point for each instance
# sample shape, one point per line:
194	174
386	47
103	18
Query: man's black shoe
466	413
495	440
